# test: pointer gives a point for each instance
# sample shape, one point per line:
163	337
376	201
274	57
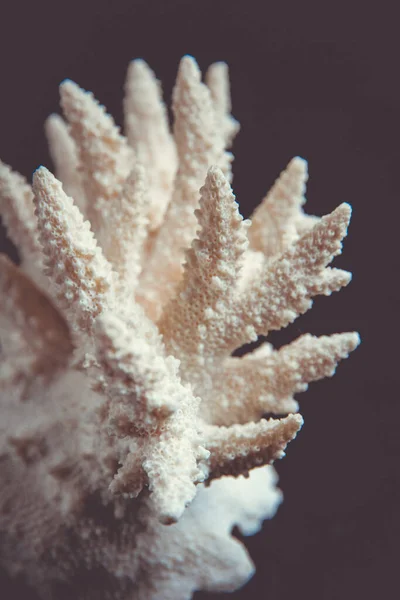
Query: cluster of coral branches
120	398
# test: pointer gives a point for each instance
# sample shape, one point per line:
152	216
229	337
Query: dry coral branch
132	441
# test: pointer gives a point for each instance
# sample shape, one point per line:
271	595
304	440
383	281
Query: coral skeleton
133	438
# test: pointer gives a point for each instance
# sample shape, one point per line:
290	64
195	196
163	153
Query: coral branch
273	224
198	142
128	227
147	130
105	159
81	276
217	79
34	338
191	322
65	158
199	145
288	283
265	380
172	466
141	382
148	400
237	449
18	213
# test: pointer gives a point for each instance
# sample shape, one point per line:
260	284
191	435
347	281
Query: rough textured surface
131	441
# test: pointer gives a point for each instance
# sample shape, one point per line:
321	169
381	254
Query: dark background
319	80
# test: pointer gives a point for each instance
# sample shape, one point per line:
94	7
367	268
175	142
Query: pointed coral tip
138	68
53	117
299	162
69	86
345	209
220	64
354	339
41	176
138	62
188	67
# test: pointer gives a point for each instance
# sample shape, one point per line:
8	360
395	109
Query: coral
132	440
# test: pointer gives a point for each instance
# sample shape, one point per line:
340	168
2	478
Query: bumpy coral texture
132	440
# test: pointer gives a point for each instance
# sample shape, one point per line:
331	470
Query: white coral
131	440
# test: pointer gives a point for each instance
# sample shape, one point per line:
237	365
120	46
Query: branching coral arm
141	383
105	158
81	277
35	339
265	380
128	225
198	142
331	279
147	399
199	146
176	463
289	282
278	221
217	79
237	449
147	130
18	213
65	158
273	223
192	320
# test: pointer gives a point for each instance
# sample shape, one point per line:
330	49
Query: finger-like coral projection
132	440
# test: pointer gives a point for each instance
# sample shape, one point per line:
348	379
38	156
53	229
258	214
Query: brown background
315	79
